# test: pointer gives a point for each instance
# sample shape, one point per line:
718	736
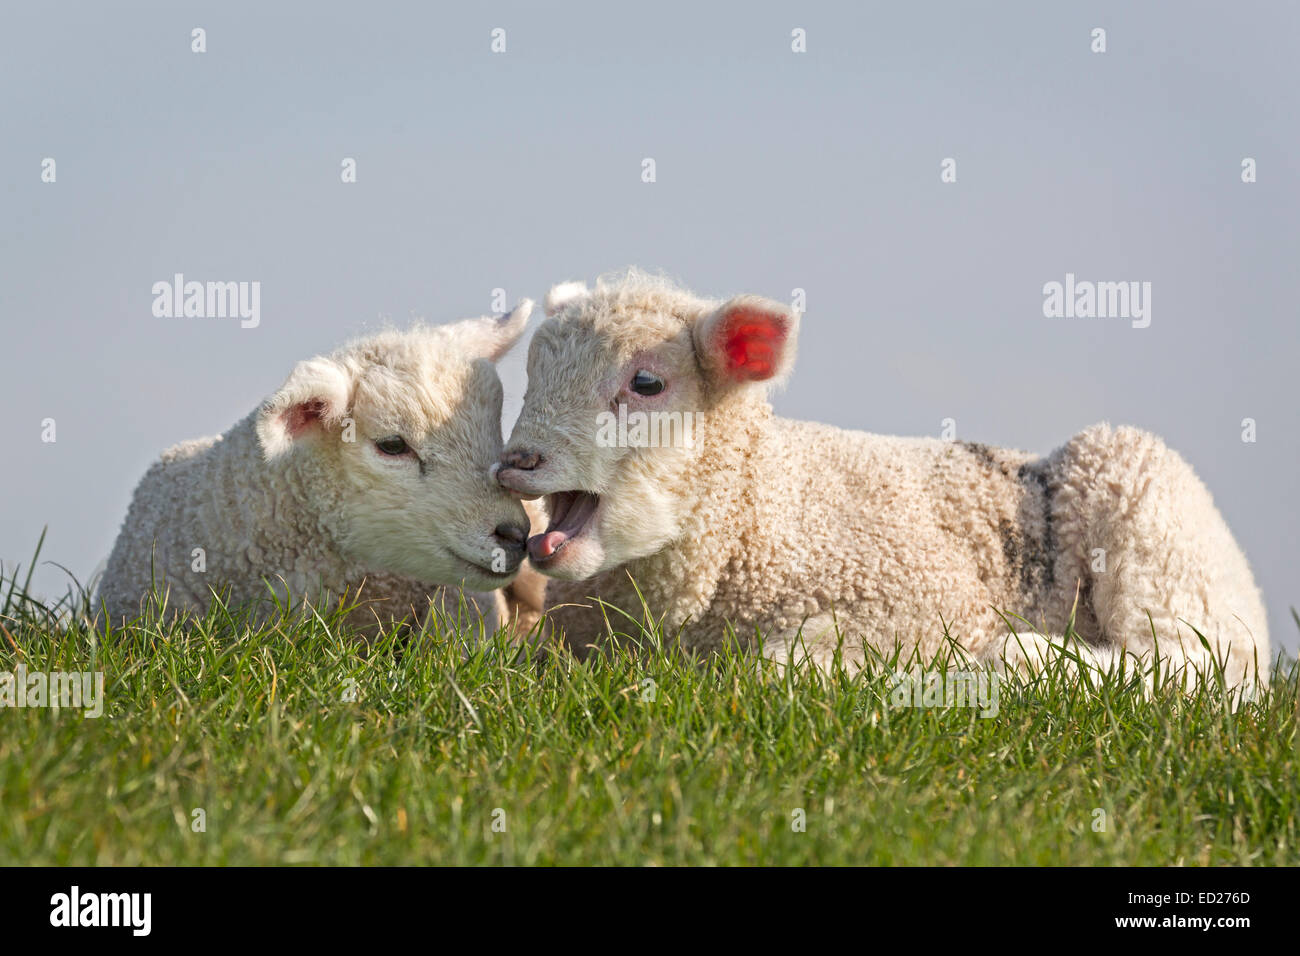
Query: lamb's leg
1030	654
1156	545
815	641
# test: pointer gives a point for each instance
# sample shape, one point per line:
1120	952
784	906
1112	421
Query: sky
774	170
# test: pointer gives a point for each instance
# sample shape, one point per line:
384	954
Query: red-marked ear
315	396
749	339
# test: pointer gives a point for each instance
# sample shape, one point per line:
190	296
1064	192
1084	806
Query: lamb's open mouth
571	512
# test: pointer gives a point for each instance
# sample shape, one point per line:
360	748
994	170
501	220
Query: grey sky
775	171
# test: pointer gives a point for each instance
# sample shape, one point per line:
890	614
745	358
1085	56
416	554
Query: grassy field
300	749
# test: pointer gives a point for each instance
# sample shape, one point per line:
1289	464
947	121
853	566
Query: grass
299	748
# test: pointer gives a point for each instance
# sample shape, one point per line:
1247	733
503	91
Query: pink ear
750	339
302	416
316	394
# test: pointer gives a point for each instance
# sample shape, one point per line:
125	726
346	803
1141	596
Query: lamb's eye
393	445
646	383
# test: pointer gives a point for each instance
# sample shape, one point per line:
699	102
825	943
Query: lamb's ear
748	339
313	398
563	294
489	337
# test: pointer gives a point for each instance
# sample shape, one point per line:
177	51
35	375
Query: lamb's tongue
572	515
542	546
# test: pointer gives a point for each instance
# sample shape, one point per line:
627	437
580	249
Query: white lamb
807	533
370	465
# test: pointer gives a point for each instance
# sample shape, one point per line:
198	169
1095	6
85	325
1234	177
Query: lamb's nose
523	460
512	536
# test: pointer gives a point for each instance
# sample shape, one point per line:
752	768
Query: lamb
366	474
812	536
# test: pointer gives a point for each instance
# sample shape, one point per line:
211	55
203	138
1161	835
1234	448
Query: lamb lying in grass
369	465
798	531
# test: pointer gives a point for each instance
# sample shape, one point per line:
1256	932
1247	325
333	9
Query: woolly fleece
297	498
804	532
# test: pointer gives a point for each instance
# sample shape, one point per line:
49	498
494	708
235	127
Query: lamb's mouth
571	512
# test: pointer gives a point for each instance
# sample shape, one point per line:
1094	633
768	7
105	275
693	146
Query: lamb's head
631	386
391	442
